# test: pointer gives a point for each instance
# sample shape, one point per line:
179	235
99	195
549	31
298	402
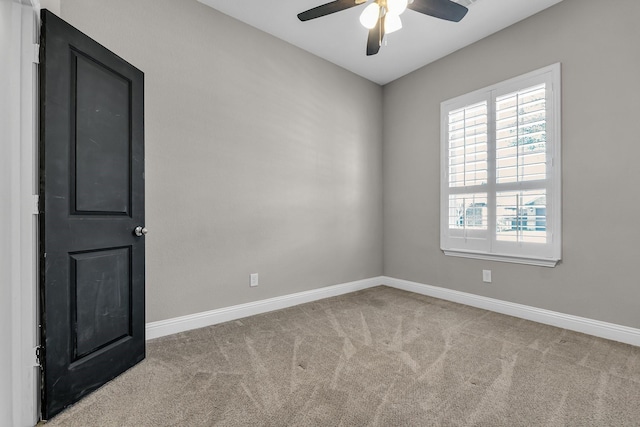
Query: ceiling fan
383	16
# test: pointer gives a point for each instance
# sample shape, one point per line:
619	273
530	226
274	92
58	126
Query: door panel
103	142
100	286
92	193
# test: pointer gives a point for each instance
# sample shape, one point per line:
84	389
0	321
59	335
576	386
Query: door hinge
36	204
36	53
39	354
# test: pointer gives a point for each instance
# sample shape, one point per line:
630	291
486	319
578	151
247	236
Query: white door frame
19	229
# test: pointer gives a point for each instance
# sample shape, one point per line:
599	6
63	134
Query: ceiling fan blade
376	34
327	9
443	9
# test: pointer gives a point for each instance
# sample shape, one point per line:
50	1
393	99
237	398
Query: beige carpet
380	357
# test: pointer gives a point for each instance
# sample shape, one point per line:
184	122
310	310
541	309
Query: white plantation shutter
501	171
468	173
521	216
521	135
468	146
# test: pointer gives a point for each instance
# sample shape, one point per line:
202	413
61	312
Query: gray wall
263	158
260	157
597	46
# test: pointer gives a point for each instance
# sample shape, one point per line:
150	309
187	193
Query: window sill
540	262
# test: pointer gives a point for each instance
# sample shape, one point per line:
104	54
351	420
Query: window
500	191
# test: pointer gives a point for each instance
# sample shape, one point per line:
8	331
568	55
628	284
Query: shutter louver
521	136
468	146
521	216
468	211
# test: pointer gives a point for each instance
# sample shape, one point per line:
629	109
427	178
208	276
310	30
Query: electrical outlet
486	276
253	281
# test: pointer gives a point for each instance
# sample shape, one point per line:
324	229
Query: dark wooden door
92	200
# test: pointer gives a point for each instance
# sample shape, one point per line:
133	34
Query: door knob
140	231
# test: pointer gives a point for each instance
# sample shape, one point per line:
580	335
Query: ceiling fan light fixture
396	7
381	17
392	22
370	15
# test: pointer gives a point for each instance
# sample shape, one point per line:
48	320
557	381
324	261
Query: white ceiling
341	39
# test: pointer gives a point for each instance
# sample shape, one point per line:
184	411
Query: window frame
484	244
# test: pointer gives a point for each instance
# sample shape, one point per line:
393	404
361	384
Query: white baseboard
226	314
596	328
